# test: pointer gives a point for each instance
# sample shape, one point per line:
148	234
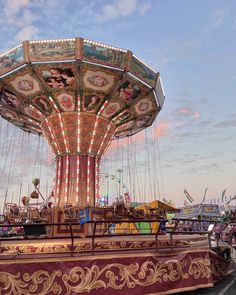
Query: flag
204	196
188	196
233	198
186	204
223	194
84	216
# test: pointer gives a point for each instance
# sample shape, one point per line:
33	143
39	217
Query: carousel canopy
53	87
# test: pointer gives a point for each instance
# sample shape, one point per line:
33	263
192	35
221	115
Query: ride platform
121	265
129	272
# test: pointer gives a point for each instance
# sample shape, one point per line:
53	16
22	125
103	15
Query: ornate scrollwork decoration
200	267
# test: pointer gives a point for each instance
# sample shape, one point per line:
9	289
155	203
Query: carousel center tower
80	95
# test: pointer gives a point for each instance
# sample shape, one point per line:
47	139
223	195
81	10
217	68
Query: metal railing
36	231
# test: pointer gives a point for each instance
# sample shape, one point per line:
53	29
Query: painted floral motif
143	106
59	78
25	84
66	101
99	80
9	99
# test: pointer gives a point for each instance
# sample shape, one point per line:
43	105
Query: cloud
27	18
228	123
203	169
216	19
186	113
162	129
27	33
121	8
144	8
18	18
12	7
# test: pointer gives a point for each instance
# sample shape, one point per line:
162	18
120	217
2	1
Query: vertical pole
119	181
107	177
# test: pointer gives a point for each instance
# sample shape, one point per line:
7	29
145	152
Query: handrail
71	235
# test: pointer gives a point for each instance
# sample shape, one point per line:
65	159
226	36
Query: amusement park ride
80	95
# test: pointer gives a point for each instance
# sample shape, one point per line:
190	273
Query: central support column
79	140
76	180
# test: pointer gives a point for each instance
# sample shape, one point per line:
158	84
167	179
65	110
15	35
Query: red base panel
142	273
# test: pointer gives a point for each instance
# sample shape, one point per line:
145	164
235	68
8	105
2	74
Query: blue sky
192	43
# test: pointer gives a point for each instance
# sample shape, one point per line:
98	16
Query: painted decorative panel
98	80
123	117
125	126
25	84
43	104
130	90
144	120
9	99
143	72
145	105
104	55
32	112
112	108
66	100
91	101
58	77
59	50
11	60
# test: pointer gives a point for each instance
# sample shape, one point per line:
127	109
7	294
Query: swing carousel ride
81	95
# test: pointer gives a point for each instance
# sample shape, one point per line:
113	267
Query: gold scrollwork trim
40	282
115	276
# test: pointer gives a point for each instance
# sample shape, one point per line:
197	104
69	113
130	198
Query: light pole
119	181
107	177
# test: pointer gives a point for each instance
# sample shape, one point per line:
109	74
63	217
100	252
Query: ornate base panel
83	245
116	274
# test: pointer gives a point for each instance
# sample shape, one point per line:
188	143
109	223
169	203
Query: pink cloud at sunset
162	129
188	112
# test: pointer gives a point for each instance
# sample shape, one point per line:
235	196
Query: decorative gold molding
115	276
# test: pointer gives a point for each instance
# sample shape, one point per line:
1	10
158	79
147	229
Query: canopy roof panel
41	78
